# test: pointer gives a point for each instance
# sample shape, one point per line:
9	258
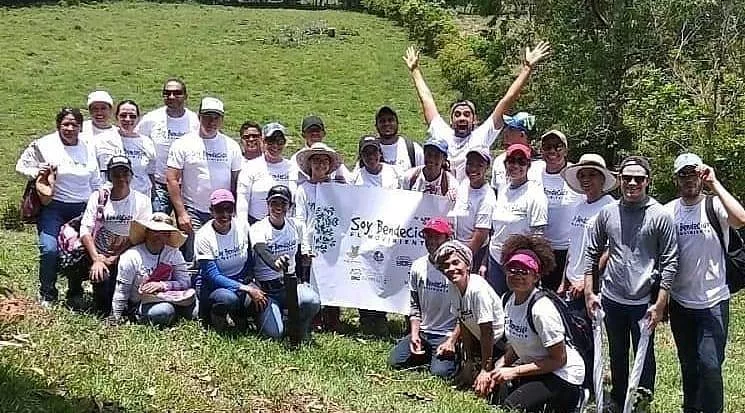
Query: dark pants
496	277
103	292
160	199
401	356
701	337
621	323
51	219
553	281
531	394
198	218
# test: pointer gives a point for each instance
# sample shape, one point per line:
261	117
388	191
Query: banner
365	241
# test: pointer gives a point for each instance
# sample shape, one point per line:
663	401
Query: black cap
636	160
383	110
279	191
119	161
311	121
369	140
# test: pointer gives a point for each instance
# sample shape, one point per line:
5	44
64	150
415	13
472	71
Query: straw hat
593	161
318	148
157	222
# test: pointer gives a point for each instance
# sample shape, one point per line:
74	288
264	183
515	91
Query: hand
577	289
412	58
257	296
108	260
446	349
415	344
504	374
592	302
482	271
707	175
540	52
99	271
654	316
152	287
282	263
184	223
482	384
46	169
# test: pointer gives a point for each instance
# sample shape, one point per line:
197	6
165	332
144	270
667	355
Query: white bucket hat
318	148
593	161
157	222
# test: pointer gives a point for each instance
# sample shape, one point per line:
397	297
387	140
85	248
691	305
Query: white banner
365	241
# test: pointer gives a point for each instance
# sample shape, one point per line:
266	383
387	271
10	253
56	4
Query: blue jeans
270	319
222	301
701	337
51	219
198	218
160	199
495	277
621	321
164	314
401	356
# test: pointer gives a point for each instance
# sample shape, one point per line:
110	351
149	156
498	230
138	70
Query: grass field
257	63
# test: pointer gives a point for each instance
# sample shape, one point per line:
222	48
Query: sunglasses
548	147
176	93
517	271
127	116
629	178
226	209
516	160
687	174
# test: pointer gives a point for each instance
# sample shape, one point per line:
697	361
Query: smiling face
274	146
313	134
462	120
591	180
433	240
456	270
100	114
222	214
433	158
516	166
251	142
554	153
174	95
157	239
520	278
127	116
120	177
387	126
476	169
209	124
69	129
278	208
320	167
634	183
689	182
371	157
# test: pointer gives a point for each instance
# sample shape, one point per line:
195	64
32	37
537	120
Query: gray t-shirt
432	290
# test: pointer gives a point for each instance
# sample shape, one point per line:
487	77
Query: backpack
577	328
411	152
443	180
734	255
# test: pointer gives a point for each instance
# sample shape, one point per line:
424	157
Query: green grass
54	56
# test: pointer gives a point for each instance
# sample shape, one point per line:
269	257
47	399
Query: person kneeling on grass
541	368
152	282
275	240
432	324
223	251
477	308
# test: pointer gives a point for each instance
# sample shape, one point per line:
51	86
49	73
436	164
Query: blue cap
523	121
440	144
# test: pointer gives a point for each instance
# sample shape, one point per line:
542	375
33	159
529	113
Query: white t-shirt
206	165
531	347
388	178
484	135
229	251
562	201
138	262
139	150
397	155
499	172
77	170
284	241
117	215
580	225
305	213
254	182
702	271
517	211
88	130
164	130
433	290
342	171
473	209
478	305
421	184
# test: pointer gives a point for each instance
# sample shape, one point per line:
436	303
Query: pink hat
220	196
439	225
526	258
519	147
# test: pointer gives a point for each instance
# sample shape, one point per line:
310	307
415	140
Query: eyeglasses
629	178
127	116
251	137
517	271
175	93
515	160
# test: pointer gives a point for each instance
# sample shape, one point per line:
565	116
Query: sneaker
46	304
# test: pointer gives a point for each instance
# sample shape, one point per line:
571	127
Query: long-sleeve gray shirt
642	246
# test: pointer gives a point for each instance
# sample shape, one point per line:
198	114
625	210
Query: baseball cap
279	191
519	148
212	105
526	258
556	133
221	195
385	109
100	96
467	103
523	121
438	225
369	140
686	159
119	161
271	128
635	161
310	121
482	151
440	144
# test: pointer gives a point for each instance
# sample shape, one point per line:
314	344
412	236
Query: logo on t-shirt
555	194
694	228
516	330
580	221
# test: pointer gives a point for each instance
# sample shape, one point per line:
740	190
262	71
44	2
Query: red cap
439	225
519	148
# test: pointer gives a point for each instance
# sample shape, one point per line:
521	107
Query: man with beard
164	125
462	134
398	151
699	308
639	236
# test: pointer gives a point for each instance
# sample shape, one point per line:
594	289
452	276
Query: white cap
212	105
100	96
686	159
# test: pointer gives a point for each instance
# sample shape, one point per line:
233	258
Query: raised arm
735	211
532	58
429	108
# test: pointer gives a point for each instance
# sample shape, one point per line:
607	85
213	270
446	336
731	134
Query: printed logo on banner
354	251
378	256
326	222
403	261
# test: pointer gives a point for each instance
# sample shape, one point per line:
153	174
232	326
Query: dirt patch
13	310
297	403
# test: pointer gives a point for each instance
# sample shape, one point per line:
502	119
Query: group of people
180	220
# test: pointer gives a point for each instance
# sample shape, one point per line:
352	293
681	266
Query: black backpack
734	255
577	327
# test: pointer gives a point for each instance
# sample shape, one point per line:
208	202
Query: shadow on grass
25	392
